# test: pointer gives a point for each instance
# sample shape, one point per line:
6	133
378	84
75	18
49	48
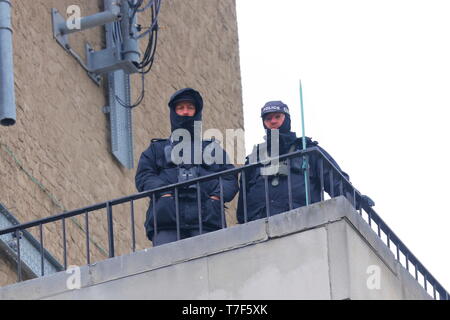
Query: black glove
366	200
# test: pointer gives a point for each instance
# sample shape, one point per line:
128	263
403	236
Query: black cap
187	94
185	122
274	106
184	98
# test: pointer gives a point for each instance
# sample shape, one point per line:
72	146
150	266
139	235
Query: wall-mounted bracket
121	57
108	60
57	20
116	62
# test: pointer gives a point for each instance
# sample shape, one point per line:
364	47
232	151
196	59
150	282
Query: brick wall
7	271
57	156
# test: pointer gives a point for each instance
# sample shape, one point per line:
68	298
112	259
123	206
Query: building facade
57	156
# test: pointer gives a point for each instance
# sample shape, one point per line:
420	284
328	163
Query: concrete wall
57	157
319	252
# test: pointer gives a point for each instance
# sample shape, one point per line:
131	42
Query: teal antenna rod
305	159
303	116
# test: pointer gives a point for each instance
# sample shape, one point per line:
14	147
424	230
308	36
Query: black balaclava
185	122
287	137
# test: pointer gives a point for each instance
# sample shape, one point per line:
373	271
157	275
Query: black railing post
322	184
41	238
222	209
155	218
289	179
308	181
354	198
177	214
407	261
64	243
133	231
19	259
266	191
360	205
199	208
88	251
331	178
388	236
110	230
244	195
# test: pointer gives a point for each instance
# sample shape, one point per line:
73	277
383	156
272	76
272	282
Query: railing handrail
391	236
404	249
144	194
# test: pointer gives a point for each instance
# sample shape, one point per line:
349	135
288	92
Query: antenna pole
305	158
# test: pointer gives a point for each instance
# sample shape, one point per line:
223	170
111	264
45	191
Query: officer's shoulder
157	144
209	141
310	143
158	140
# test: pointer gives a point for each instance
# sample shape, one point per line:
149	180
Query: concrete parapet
324	251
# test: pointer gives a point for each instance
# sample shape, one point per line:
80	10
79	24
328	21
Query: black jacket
155	170
278	195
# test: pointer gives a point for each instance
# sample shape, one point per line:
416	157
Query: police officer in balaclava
176	160
280	140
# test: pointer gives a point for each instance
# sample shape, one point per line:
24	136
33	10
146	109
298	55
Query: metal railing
345	188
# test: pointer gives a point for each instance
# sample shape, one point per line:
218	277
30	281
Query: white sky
376	88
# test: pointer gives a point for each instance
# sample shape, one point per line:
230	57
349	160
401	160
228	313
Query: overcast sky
376	86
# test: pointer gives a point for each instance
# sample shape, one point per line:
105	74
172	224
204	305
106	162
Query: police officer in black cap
159	167
277	122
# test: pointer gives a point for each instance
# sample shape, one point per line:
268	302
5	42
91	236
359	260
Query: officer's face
185	108
274	120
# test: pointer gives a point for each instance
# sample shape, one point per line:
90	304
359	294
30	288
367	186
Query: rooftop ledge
323	251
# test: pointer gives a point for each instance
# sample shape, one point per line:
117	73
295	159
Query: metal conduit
7	95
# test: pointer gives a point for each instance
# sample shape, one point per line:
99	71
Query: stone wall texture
7	274
57	157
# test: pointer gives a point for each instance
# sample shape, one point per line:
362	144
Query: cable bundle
145	65
154	5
